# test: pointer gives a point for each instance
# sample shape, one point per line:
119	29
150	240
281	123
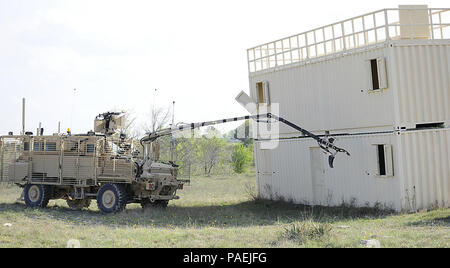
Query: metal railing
368	29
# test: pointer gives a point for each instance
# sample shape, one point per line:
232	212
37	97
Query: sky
72	60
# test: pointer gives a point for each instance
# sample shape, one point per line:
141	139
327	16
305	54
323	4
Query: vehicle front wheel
111	197
37	195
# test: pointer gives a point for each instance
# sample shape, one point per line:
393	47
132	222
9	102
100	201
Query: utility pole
23	116
73	107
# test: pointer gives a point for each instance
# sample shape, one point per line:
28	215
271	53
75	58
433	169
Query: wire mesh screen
113	161
65	160
78	160
45	155
13	166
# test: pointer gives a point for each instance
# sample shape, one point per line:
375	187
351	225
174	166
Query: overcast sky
115	53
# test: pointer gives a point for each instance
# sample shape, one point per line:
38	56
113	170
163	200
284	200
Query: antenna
73	107
173	113
39	130
153	111
172	140
23	116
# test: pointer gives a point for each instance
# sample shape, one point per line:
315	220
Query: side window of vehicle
50	146
90	148
38	146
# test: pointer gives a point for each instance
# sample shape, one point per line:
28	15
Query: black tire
162	204
111	198
37	195
78	204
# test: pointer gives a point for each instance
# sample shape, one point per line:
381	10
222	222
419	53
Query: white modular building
379	84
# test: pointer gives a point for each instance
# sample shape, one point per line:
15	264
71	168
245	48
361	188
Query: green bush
241	157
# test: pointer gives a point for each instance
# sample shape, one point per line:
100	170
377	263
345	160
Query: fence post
386	25
430	12
343	37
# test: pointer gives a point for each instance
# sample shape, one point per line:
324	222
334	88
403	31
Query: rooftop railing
368	29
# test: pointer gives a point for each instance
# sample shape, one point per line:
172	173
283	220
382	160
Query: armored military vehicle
100	164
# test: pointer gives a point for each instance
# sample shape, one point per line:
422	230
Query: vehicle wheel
146	203
37	195
111	197
78	204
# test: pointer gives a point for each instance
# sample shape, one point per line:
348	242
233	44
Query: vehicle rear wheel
146	203
111	197
78	204
37	195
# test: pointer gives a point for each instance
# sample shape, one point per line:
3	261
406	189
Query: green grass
217	212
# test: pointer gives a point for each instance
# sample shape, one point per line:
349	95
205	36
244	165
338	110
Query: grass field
217	212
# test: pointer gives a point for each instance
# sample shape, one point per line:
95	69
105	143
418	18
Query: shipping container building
378	83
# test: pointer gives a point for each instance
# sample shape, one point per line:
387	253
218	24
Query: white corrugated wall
420	159
352	178
420	74
332	94
425	168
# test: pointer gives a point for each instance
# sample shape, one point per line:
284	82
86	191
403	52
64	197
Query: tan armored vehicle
101	165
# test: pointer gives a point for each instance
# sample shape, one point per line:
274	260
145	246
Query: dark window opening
50	146
38	146
260	92
26	146
430	125
90	148
375	81
381	160
74	146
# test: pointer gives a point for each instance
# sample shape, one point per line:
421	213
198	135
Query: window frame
40	146
376	68
262	93
50	146
26	146
90	148
388	157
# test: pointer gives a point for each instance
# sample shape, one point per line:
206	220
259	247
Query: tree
130	129
159	118
211	149
241	157
185	153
